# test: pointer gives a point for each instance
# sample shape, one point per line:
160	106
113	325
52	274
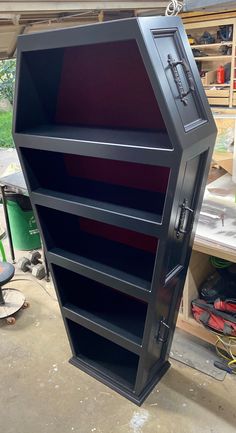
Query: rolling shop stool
11	300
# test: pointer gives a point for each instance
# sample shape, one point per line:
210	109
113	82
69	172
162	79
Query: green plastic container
24	230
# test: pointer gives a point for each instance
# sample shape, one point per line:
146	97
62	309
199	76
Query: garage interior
40	390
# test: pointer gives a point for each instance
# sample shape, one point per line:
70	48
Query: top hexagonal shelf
132	82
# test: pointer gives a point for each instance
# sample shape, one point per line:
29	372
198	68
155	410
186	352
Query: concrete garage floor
40	392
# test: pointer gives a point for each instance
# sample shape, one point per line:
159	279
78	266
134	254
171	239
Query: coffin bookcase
115	138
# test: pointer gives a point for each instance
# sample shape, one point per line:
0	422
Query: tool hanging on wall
206	38
225	33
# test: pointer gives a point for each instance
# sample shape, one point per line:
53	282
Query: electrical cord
35	281
219	263
173	8
228	343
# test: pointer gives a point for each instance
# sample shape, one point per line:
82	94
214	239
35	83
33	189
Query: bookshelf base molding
137	399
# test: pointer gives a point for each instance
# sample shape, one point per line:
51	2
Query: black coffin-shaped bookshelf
115	137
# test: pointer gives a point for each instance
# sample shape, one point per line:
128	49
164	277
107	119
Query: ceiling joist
66	5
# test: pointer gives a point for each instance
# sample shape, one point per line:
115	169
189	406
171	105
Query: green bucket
24	230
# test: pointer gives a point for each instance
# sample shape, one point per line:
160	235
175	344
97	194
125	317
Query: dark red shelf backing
111	76
124	185
120	235
132	175
117	251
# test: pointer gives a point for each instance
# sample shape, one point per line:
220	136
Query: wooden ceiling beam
197	17
52	26
73	6
7	16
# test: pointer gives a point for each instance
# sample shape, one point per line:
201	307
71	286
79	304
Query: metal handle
182	218
182	92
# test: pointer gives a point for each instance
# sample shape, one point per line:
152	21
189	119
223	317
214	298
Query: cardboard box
224	160
209	78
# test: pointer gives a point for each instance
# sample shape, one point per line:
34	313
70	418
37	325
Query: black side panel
38	86
193	174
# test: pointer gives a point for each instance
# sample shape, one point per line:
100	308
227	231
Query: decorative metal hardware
182	92
182	218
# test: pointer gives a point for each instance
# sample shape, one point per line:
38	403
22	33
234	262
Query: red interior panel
117	234
140	176
106	85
